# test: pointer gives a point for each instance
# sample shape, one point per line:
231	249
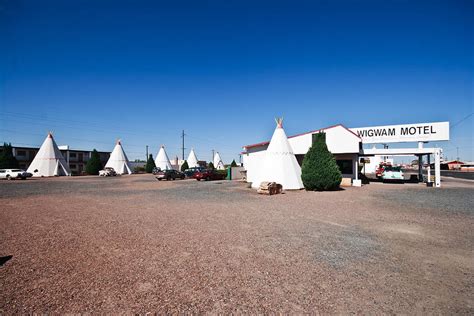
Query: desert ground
132	244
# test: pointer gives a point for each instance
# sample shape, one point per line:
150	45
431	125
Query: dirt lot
133	244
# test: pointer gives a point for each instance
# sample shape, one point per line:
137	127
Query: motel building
347	146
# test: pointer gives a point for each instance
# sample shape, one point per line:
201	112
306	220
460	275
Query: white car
13	174
392	173
107	172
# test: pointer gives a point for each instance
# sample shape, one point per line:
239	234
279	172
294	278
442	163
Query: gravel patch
132	244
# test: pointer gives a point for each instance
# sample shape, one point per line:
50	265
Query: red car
208	175
381	168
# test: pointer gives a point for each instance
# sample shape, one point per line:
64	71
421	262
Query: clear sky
95	71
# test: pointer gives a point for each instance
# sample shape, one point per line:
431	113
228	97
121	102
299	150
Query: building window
72	166
345	166
21	153
72	155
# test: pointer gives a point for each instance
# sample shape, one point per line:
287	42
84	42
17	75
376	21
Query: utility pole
212	157
457	153
146	153
182	147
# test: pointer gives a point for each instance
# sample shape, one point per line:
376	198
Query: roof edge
301	134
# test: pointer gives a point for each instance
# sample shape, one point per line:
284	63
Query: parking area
134	244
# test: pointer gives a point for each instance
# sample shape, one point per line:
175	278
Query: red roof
301	134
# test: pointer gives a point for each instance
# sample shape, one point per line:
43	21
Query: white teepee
218	164
118	160
279	163
49	161
162	161
192	159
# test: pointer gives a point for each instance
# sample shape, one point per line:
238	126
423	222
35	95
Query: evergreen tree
7	160
210	166
233	163
94	165
184	166
319	171
150	164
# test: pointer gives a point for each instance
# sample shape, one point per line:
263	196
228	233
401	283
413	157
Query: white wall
252	163
341	141
338	139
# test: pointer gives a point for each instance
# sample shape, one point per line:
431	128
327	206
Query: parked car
208	175
392	173
156	170
10	174
191	171
170	175
107	172
380	169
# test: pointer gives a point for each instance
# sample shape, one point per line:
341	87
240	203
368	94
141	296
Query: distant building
451	165
77	159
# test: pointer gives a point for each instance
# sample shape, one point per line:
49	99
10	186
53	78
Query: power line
462	120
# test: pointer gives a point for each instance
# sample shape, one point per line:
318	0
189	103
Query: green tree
233	163
319	171
184	166
93	164
7	160
210	166
150	164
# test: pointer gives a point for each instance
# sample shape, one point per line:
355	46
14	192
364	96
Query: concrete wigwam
49	161
192	159
162	161
218	164
279	163
118	160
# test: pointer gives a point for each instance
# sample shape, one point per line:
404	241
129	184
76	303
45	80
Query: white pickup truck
10	174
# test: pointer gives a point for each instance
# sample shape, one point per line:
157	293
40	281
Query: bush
150	164
210	166
184	166
93	164
319	171
139	169
233	163
223	172
7	160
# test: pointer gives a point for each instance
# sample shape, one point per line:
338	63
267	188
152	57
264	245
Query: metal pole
146	153
428	170
182	148
420	168
212	158
437	158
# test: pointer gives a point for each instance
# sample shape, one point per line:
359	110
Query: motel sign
420	132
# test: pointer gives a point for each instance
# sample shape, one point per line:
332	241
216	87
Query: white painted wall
252	163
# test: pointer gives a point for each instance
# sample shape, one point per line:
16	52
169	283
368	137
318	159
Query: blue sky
95	71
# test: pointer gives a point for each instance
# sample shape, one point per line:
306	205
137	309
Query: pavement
132	244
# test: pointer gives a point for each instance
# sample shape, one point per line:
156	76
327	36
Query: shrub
150	164
184	166
93	164
210	166
7	160
319	171
139	169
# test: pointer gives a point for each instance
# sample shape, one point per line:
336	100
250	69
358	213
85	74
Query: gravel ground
132	244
